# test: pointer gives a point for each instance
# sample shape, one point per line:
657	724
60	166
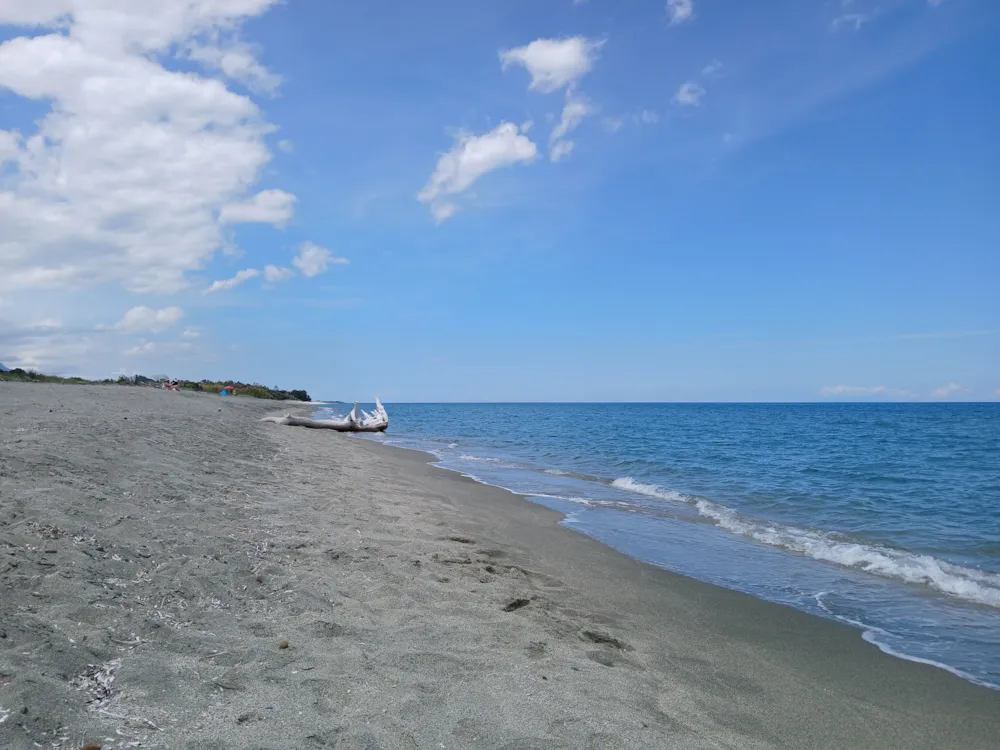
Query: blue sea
882	516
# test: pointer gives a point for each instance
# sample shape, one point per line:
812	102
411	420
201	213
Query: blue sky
781	200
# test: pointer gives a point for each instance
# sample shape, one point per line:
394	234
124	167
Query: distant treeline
255	390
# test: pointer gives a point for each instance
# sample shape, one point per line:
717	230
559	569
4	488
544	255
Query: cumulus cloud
861	390
553	63
237	61
127	176
143	318
680	11
266	207
470	158
10	146
190	333
689	94
274	274
947	391
241	277
313	260
46	345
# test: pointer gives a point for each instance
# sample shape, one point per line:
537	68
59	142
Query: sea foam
912	567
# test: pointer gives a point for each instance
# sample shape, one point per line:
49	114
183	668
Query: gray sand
156	546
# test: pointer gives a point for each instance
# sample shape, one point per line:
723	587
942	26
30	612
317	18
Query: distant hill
4	368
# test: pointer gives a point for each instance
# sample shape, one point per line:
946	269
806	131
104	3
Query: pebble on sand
282	641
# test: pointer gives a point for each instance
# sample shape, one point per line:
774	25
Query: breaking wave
911	567
650	490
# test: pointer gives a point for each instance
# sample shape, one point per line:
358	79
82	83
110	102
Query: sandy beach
176	574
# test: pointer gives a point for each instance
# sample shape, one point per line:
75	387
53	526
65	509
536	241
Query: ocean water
882	516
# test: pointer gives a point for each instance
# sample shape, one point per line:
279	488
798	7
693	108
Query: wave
878	636
650	490
911	567
489	460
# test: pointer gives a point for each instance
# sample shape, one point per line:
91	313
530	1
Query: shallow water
883	516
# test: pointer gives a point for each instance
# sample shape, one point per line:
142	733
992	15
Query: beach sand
157	549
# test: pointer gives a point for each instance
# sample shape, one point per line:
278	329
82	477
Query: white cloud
190	333
680	11
143	347
861	390
123	180
689	94
471	157
233	282
647	117
46	345
10	146
947	391
574	112
572	115
313	260
560	150
238	62
274	274
613	124
712	68
443	211
266	207
554	63
52	348
850	20
143	318
286	145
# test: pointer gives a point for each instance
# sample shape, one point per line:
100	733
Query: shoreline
863	632
423	608
871	634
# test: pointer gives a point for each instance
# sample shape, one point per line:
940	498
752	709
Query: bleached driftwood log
358	420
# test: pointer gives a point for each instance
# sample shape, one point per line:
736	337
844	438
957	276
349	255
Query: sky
506	200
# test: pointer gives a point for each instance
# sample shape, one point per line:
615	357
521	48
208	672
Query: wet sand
157	549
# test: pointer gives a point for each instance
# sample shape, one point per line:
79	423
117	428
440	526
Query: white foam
650	490
871	634
557	472
954	580
486	459
870	637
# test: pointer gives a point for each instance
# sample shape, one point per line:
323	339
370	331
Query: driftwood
358	420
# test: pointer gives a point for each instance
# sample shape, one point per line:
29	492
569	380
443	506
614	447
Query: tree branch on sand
358	420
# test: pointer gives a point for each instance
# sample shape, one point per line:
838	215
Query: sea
885	517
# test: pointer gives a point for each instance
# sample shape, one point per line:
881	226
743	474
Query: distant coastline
238	387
